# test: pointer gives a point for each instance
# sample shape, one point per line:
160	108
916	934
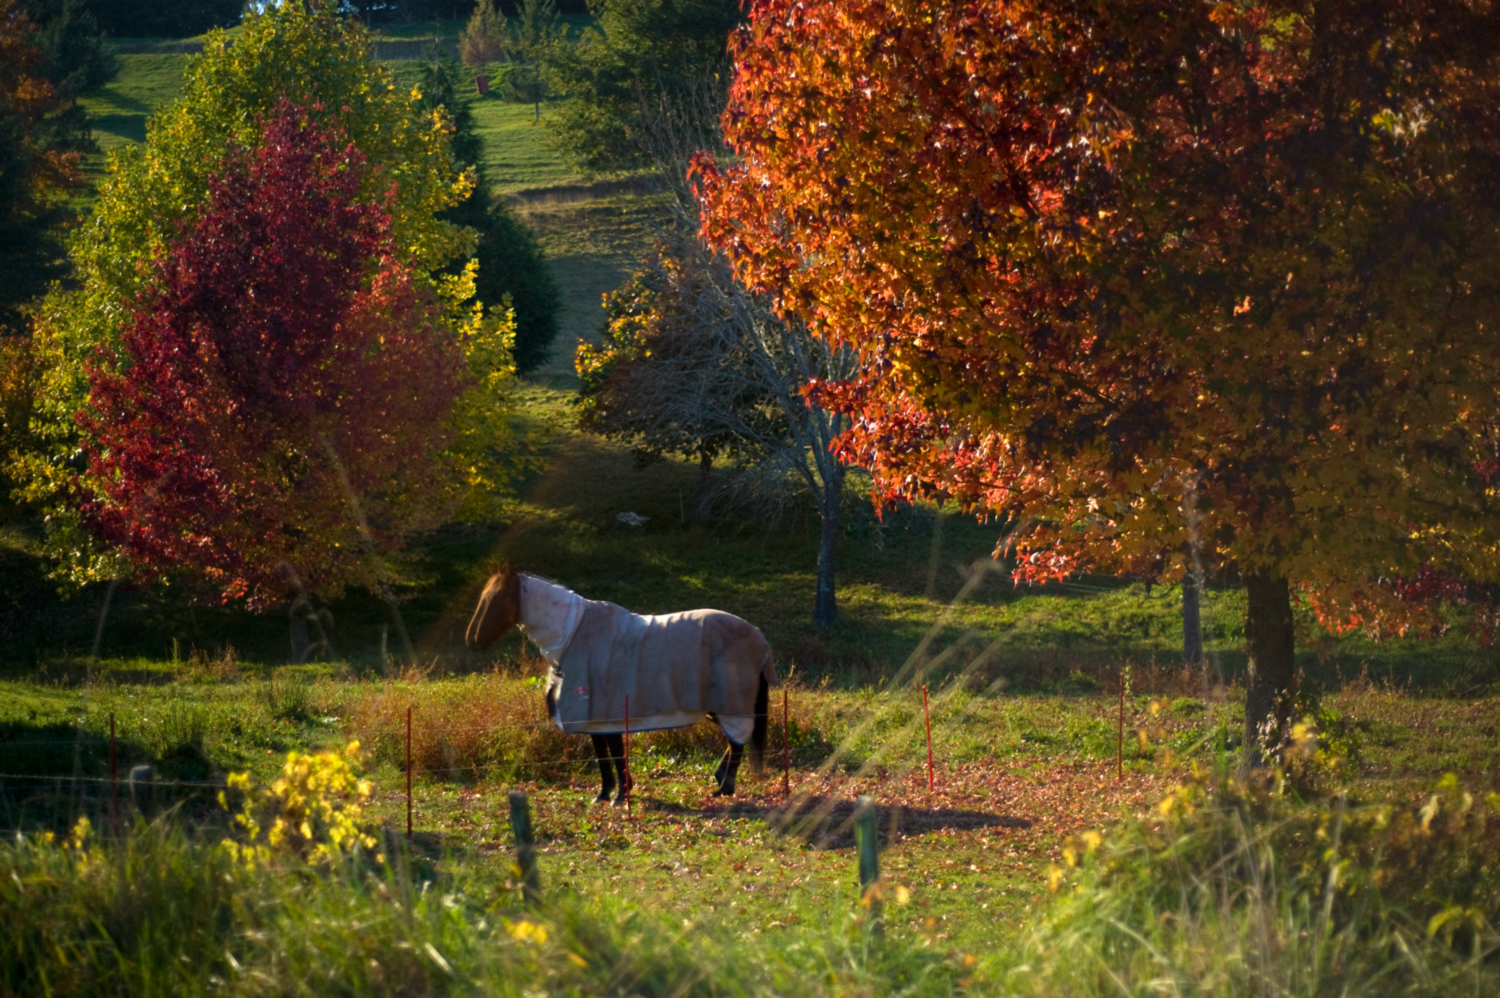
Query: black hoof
603	797
725	790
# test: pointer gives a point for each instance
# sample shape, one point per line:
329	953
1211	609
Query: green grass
772	889
517	155
119	109
593	243
166	914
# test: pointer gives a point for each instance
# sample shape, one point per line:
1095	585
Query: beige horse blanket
676	668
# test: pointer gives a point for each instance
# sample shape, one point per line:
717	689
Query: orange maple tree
1159	281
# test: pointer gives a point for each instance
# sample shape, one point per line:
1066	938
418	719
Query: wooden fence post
408	772
926	717
114	795
869	864
526	871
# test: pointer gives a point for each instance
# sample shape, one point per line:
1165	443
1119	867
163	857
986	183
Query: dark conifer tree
511	261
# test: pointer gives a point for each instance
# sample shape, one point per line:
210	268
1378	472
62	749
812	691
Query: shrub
313	811
1239	888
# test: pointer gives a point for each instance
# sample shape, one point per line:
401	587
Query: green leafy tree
528	45
644	58
693	363
483	39
152	194
512	267
69	34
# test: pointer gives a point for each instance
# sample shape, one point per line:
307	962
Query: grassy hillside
119	109
516	153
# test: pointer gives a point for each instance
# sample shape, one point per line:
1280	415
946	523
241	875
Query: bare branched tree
693	363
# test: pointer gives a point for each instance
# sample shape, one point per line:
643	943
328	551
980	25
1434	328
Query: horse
668	671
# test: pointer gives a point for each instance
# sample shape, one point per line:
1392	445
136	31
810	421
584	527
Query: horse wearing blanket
676	669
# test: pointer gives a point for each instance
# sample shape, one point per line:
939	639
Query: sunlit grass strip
164	912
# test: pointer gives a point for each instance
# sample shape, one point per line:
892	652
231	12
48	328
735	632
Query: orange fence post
786	743
1120	733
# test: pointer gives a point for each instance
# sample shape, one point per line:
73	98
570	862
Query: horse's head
498	611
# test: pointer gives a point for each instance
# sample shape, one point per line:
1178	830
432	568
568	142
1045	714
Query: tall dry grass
495	726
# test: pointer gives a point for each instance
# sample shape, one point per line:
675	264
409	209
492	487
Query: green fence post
869	864
520	823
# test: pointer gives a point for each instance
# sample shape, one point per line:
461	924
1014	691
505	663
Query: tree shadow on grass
828	822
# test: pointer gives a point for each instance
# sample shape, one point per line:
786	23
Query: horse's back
697	661
724	638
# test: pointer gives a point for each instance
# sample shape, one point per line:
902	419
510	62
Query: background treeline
164	18
399	11
185	18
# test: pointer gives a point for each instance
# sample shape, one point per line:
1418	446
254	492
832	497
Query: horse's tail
758	735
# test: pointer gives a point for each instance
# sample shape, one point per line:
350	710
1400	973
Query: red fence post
931	782
786	744
1120	733
408	772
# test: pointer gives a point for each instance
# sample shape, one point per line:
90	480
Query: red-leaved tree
285	389
1158	281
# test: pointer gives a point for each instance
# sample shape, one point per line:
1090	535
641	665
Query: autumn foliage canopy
1149	277
285	388
1157	281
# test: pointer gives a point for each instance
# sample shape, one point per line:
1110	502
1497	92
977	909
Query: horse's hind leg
606	767
729	767
622	766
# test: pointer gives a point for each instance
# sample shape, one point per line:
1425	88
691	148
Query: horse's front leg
606	766
729	767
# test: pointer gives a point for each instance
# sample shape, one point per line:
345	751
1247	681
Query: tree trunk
1268	632
1192	623
825	603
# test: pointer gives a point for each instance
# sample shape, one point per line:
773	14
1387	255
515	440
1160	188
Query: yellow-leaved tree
309	55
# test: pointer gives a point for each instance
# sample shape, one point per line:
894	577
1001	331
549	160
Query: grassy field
1301	887
969	865
516	152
